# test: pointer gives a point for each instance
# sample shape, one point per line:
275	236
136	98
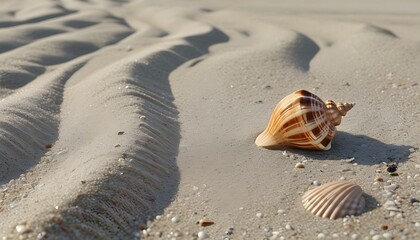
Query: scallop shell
335	200
303	120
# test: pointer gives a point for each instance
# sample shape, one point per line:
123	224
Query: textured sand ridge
135	119
113	128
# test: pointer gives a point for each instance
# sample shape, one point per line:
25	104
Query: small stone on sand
321	235
316	183
202	235
175	219
299	165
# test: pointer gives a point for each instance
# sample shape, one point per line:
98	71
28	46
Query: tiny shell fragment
204	222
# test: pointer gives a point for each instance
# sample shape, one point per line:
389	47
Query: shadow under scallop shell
365	150
371	203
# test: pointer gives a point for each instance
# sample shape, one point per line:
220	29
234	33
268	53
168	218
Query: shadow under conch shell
303	120
364	149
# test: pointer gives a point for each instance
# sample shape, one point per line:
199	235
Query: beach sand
135	119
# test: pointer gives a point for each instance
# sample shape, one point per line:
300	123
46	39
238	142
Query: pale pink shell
335	200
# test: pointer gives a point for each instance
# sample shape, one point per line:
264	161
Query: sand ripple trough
120	178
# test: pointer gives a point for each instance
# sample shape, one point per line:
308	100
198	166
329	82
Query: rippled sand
115	112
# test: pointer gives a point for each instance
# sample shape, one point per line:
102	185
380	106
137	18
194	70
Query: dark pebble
392	168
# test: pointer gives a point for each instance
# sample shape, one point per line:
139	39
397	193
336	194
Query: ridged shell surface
303	120
335	200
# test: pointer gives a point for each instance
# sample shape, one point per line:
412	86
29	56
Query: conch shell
303	120
335	200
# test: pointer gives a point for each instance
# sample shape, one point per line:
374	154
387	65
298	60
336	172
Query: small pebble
316	183
377	237
387	235
417	224
280	211
389	203
391	187
321	235
392	168
299	165
202	235
175	219
22	228
120	133
354	236
259	215
288	227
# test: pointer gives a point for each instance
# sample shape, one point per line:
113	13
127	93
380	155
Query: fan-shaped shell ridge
335	200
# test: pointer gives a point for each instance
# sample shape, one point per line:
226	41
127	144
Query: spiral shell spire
336	111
